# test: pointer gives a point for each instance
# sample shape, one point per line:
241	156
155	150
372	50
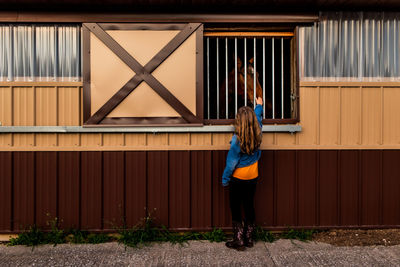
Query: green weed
302	235
263	235
98	238
141	234
56	235
216	235
33	237
77	236
147	232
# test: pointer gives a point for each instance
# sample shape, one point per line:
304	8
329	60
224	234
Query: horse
241	90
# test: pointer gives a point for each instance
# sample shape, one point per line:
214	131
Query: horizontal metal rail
249	34
142	129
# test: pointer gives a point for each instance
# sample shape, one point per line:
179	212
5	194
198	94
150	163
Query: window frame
294	62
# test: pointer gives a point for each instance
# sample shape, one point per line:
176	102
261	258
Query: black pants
242	192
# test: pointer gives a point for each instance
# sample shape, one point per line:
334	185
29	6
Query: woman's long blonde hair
248	130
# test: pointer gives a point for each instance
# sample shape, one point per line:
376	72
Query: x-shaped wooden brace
142	73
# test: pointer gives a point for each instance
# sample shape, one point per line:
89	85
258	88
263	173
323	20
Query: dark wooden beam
76	17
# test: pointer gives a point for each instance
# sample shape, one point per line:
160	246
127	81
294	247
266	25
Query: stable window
40	52
240	66
351	46
157	74
147	74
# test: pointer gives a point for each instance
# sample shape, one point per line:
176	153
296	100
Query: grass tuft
56	235
147	232
141	235
216	235
33	237
263	235
98	238
77	236
302	235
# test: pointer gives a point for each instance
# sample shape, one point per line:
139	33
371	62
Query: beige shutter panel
143	74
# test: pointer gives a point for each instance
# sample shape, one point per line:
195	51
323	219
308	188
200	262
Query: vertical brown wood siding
46	196
200	189
113	189
69	197
24	204
182	189
135	186
6	191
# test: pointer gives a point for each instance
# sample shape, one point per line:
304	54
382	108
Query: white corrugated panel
351	46
40	52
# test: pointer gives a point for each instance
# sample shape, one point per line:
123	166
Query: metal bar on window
263	88
254	75
282	108
226	75
273	78
208	77
245	71
217	79
235	76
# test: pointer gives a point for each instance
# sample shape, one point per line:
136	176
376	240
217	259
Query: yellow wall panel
46	140
157	139
371	116
268	140
68	140
23	140
69	108
350	115
179	139
329	115
200	139
221	139
135	139
309	115
338	116
92	140
6	105
46	106
24	106
113	139
284	139
391	115
6	140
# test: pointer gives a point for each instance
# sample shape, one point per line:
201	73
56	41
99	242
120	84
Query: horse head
241	73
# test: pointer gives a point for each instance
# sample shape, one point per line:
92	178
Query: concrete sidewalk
201	253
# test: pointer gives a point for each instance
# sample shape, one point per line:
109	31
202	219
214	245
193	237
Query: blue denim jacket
237	159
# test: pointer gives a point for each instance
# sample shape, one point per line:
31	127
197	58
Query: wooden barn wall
182	189
332	116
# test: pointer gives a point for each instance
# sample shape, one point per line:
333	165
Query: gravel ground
358	237
201	253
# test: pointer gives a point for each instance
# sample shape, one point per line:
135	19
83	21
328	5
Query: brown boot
248	234
237	242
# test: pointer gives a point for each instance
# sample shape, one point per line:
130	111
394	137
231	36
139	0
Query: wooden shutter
142	73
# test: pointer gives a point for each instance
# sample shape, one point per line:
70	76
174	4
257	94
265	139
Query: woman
241	173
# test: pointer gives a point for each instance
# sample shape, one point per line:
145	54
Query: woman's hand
259	101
